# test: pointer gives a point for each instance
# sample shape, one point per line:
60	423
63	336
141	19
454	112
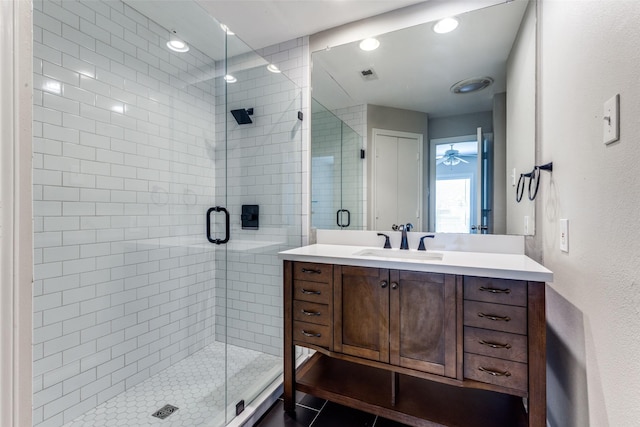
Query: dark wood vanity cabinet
425	349
399	317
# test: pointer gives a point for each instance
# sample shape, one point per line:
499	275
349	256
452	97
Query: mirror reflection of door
397	179
459	190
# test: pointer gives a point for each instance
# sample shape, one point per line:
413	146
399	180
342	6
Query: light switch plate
564	235
611	120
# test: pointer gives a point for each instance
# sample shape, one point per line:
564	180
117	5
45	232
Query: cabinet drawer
313	334
502	345
497	317
312	291
311	312
501	291
313	272
500	372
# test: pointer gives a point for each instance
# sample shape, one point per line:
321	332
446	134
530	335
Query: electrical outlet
564	235
529	226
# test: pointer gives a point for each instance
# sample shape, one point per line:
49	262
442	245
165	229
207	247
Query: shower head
242	115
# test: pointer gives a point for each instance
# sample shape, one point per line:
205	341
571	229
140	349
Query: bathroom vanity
449	338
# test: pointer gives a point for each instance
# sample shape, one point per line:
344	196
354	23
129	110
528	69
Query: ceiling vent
368	74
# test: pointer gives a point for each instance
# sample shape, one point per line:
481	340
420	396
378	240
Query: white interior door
397	179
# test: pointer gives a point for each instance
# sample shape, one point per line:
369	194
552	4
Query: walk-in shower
134	307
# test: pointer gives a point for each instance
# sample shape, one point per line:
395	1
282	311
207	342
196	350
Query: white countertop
502	266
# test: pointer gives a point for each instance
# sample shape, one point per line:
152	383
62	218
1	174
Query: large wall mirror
429	128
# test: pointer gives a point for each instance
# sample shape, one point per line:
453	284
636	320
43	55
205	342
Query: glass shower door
337	185
259	181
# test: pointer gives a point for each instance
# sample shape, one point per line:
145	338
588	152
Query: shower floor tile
196	385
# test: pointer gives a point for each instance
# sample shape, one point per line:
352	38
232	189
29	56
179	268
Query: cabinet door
361	312
423	321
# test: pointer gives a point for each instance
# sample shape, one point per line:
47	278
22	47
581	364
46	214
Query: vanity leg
289	349
395	387
537	355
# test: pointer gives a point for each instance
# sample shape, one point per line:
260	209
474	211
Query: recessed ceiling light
445	25
227	30
369	44
471	85
230	79
273	68
177	45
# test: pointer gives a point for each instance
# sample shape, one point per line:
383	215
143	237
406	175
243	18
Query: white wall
16	233
521	132
588	53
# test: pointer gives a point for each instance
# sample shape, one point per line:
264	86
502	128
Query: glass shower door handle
339	218
227	226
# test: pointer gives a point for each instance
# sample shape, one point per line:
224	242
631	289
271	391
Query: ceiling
479	47
262	23
415	67
256	23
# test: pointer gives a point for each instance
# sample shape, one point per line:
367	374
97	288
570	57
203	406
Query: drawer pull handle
494	344
310	313
494	317
310	334
494	373
495	290
311	271
308	292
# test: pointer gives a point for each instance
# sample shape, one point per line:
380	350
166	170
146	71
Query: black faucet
404	243
421	247
387	244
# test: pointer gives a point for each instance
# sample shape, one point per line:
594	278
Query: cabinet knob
394	285
383	284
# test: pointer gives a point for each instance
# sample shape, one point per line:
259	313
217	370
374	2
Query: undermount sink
401	254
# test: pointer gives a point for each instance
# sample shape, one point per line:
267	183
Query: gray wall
463	124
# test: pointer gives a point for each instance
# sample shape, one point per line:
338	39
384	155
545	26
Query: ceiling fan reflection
450	158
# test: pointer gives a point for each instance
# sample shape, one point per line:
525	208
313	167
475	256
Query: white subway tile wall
354	168
126	152
264	168
337	181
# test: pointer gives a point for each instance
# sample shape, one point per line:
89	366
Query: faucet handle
421	246
387	244
408	226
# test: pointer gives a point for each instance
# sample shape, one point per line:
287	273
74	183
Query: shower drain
165	411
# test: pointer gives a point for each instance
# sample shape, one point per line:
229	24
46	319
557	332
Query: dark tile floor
314	412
